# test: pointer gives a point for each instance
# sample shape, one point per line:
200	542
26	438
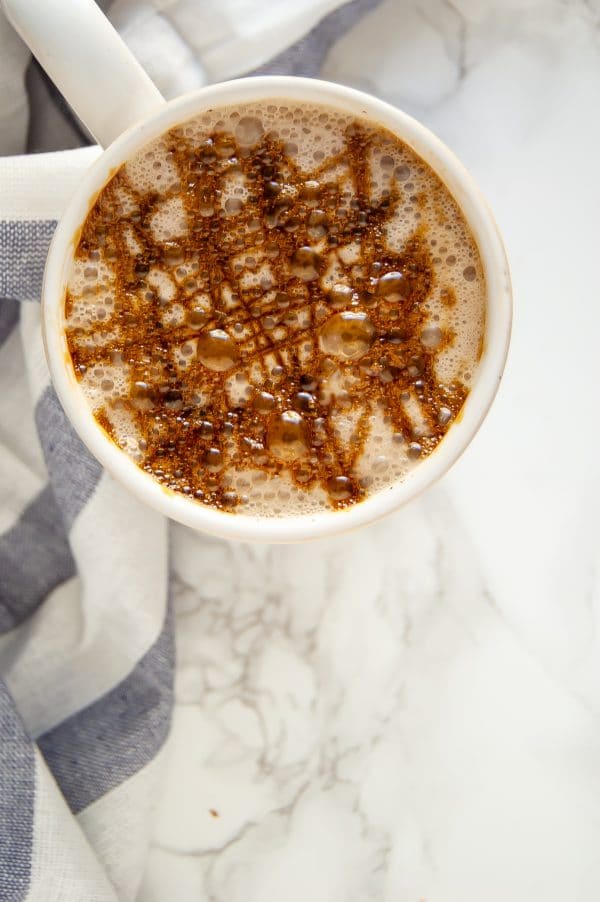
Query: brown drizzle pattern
191	435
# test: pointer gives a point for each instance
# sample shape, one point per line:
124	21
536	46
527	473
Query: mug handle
88	62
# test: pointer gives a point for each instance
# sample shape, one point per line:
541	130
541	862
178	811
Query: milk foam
312	135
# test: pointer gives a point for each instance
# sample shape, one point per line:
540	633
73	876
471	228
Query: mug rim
299	527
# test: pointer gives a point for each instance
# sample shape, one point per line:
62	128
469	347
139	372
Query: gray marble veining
411	713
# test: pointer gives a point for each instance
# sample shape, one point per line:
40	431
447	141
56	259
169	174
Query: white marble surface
411	713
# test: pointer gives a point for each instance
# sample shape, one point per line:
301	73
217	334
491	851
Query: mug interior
280	528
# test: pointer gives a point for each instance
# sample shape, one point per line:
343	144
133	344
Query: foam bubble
170	220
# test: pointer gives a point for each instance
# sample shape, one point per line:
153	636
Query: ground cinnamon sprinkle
231	369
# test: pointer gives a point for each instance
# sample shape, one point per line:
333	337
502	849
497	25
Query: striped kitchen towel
86	639
86	631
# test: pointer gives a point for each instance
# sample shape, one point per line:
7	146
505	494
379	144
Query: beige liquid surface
276	309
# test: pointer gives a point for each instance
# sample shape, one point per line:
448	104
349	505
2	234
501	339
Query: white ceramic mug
124	111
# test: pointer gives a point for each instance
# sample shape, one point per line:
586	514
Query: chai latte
276	308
